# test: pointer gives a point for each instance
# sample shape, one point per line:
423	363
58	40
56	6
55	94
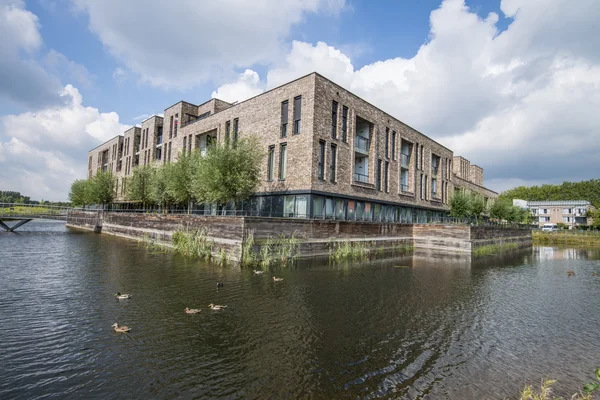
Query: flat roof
558	203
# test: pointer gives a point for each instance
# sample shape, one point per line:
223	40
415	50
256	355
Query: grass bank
494	249
570	238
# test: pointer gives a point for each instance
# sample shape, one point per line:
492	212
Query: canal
420	327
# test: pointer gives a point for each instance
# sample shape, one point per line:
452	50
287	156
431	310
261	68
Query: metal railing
404	187
362	144
358	177
14	210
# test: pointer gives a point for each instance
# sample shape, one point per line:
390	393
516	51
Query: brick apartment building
329	154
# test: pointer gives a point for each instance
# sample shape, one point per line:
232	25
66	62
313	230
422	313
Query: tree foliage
584	190
228	172
80	194
140	184
460	205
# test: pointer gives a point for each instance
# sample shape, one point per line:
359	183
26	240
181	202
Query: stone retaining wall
316	236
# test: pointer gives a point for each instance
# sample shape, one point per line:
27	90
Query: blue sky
487	78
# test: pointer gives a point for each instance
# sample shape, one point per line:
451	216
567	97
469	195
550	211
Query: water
419	327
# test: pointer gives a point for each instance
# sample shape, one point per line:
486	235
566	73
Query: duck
123	296
595	274
216	307
275	279
219	284
192	310
120	329
256	272
570	273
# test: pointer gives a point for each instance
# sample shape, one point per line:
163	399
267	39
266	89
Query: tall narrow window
190	144
393	145
282	160
332	163
334	112
171	128
271	163
284	118
385	176
235	129
170	151
176	123
227	130
321	161
378	181
297	113
421	187
387	142
184	144
421	158
344	123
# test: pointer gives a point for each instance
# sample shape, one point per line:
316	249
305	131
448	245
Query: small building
572	213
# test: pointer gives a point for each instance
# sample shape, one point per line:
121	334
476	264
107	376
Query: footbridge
23	213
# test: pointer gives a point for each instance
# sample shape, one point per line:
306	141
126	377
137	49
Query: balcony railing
362	144
434	170
404	160
404	187
358	177
159	140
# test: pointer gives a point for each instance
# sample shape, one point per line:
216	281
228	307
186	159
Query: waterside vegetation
567	237
228	172
492	249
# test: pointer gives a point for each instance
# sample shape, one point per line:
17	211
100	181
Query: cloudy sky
513	85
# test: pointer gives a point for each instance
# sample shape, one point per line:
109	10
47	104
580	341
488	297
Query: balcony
404	160
159	140
434	170
404	187
358	177
362	145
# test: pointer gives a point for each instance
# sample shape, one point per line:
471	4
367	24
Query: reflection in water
421	326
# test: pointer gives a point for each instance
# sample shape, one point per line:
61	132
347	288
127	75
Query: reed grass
193	244
494	249
280	250
588	239
348	251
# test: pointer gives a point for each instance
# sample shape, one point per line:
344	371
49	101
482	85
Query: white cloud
23	81
45	151
120	75
247	85
59	64
522	103
188	43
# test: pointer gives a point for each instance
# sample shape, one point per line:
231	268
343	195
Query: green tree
179	178
460	205
477	205
584	190
228	173
158	186
139	185
102	188
501	209
79	195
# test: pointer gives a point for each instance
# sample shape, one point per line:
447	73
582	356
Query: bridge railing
33	210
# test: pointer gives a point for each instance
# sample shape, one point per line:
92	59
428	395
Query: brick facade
368	168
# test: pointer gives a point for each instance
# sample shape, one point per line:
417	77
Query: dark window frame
321	161
285	107
297	115
334	116
282	164
333	163
344	123
271	163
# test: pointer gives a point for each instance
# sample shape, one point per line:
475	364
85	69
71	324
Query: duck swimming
120	329
192	310
123	296
277	279
216	307
258	272
570	273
